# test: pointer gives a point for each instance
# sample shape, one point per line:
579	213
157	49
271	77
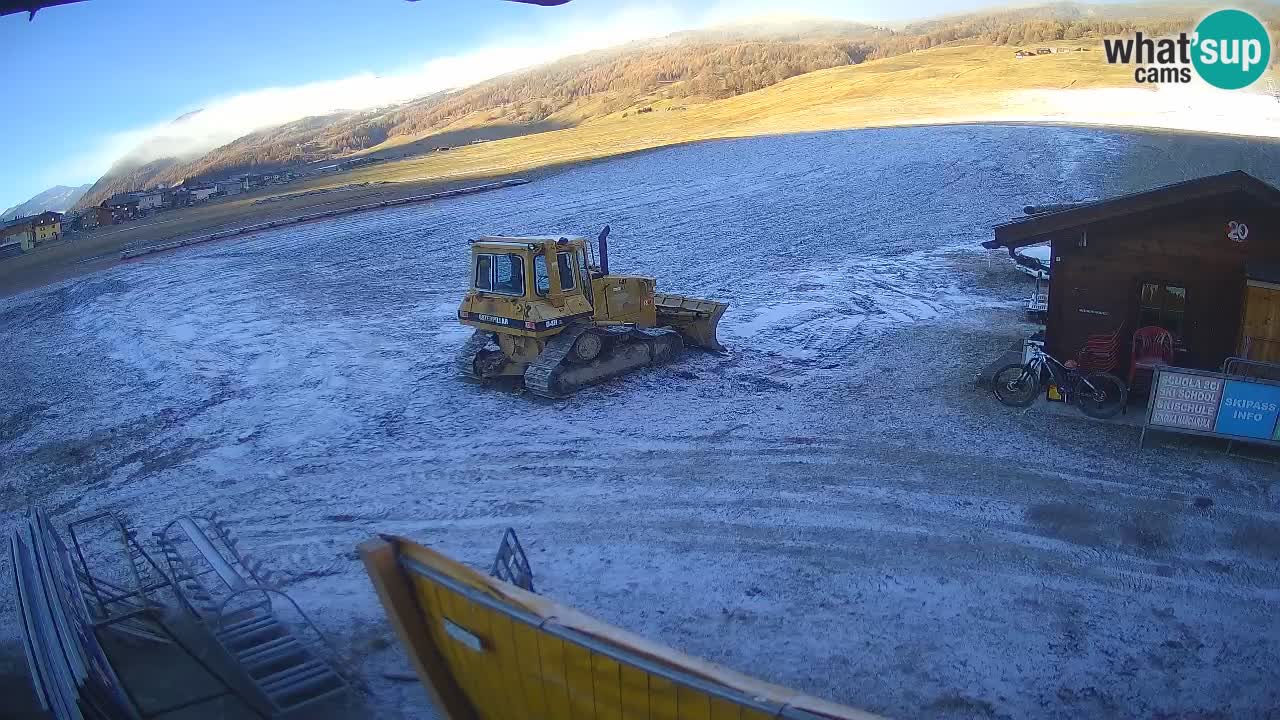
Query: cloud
731	12
224	119
570	31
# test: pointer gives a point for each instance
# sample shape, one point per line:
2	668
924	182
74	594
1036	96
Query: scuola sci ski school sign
1229	49
1199	402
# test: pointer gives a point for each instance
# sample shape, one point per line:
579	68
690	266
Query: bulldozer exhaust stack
603	242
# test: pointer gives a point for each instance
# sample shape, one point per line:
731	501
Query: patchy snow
1196	107
830	505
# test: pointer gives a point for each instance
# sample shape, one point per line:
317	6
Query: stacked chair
1101	353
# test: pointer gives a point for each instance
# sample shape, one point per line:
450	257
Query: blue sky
88	80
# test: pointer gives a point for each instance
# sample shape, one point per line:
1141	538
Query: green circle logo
1232	49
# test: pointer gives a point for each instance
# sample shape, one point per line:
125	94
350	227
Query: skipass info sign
1206	403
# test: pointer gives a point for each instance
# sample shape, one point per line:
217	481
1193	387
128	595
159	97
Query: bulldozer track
467	356
538	376
541	377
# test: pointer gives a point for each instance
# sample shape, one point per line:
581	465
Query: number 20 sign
1237	231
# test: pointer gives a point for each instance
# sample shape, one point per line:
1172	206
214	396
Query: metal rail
1244	367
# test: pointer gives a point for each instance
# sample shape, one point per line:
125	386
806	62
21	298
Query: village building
200	193
92	217
24	234
230	187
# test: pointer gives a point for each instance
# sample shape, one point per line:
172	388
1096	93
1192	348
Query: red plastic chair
1100	352
1152	348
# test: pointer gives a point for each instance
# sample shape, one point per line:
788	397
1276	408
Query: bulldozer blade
694	318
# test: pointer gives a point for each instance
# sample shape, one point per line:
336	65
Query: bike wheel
1105	399
1016	385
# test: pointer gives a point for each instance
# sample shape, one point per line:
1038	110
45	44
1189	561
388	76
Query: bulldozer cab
529	286
518	267
570	272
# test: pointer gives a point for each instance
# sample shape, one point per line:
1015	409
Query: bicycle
1097	394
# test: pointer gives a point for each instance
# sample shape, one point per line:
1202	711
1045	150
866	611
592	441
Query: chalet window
1163	306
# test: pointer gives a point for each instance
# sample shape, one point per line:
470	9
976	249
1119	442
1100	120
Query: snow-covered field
830	506
1198	107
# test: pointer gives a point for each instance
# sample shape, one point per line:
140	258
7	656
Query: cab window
501	274
484	272
542	281
566	270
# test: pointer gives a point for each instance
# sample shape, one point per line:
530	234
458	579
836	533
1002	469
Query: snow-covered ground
1198	107
830	506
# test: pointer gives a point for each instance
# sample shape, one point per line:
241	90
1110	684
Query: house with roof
233	186
15	237
92	217
123	206
1200	259
24	234
154	199
200	193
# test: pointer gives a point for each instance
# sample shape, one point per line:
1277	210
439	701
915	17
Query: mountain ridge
58	198
711	63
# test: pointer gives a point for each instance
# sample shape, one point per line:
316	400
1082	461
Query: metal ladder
285	669
231	592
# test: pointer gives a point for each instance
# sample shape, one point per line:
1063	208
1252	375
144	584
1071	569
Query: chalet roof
6	224
1033	229
37	219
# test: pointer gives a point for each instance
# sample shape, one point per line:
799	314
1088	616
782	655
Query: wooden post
396	594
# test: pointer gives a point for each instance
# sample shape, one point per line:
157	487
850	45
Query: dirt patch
1147	531
16	424
959	705
57	303
1261	540
1068	521
89	461
155	459
1144	531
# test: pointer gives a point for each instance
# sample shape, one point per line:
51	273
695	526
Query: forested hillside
701	65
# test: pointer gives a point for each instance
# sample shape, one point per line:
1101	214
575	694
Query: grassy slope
952	84
939	85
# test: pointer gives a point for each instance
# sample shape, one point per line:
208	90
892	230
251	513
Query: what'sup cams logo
1230	49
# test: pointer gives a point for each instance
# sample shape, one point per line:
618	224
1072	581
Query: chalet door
1260	331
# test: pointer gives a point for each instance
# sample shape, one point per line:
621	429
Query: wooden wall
1096	287
1261	327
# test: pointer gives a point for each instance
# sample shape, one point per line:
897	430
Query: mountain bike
1097	394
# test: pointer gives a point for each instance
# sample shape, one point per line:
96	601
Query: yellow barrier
488	649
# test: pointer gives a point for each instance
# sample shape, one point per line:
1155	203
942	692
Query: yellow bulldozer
547	315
